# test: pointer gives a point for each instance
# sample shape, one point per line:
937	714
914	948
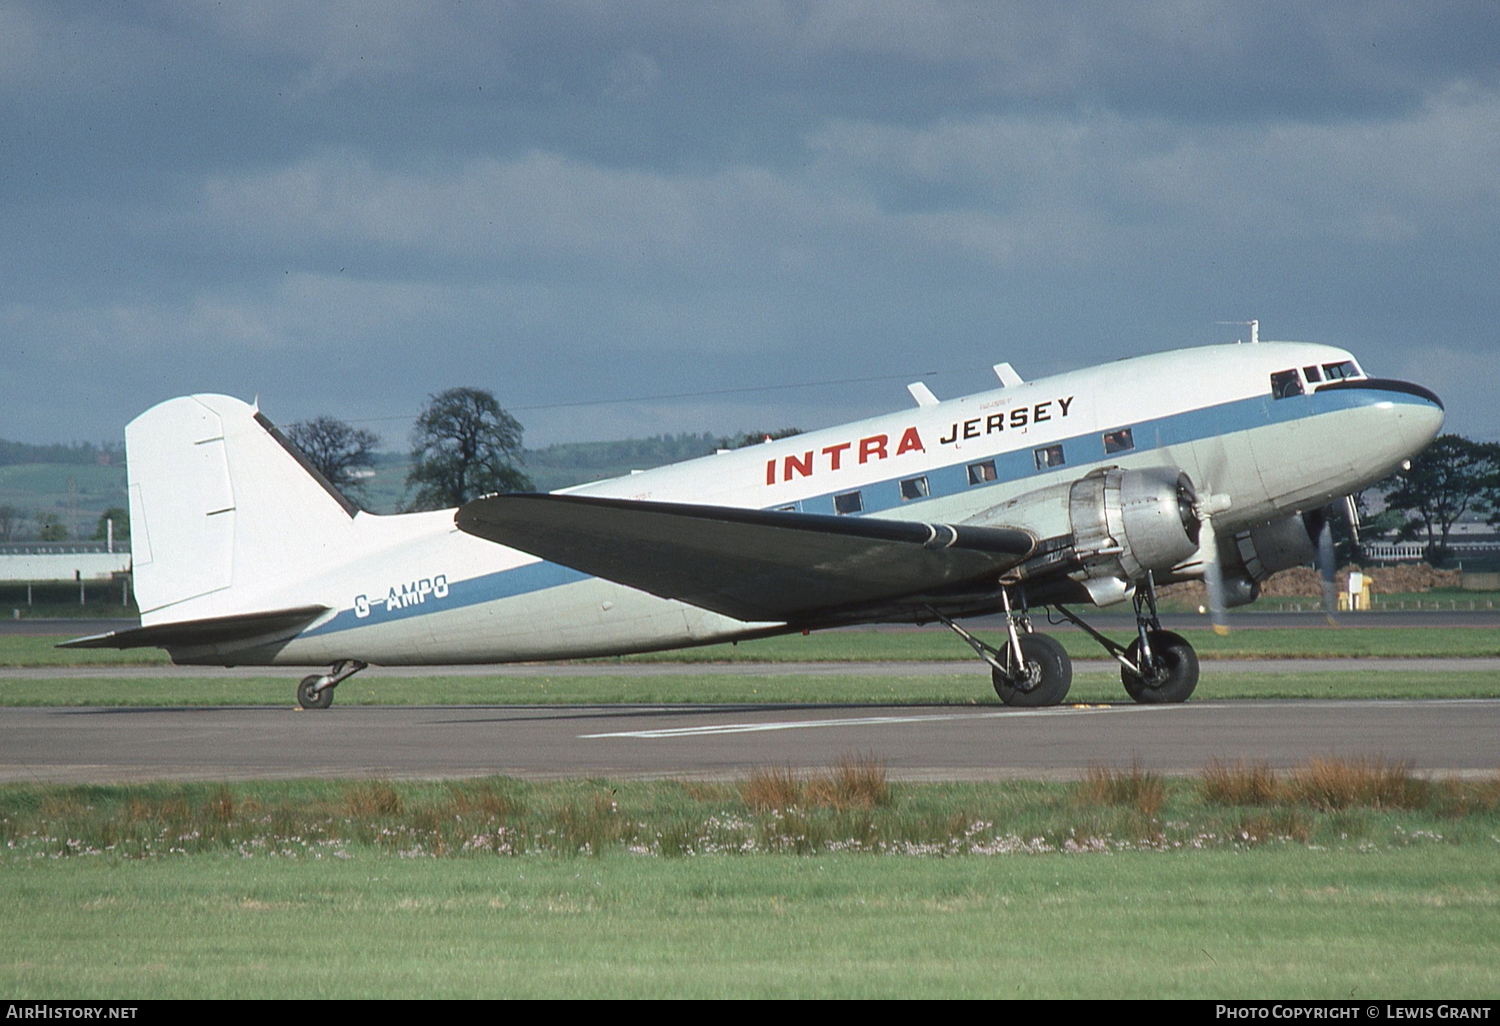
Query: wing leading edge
753	565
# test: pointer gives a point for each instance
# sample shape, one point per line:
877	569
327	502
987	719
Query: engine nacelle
1250	556
1270	548
1123	523
1255	554
1126	522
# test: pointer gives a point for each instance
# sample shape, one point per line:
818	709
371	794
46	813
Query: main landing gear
1033	669
316	690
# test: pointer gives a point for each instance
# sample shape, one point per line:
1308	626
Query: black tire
308	695
1177	673
1047	677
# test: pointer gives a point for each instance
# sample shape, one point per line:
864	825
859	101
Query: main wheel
1044	679
308	695
1176	670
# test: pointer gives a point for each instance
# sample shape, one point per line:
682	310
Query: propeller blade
1328	567
1213	573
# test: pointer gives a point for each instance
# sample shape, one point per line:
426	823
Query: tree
336	448
120	516
756	437
50	527
1449	478
11	519
463	446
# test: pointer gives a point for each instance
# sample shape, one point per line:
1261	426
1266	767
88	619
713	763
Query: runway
60	745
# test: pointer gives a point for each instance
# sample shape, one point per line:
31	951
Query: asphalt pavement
70	745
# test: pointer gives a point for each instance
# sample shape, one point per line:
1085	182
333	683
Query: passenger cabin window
1340	371
1311	374
981	473
914	488
787	509
1285	384
1048	457
849	502
1118	441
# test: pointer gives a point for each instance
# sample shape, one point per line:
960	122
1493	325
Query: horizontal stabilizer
753	565
218	630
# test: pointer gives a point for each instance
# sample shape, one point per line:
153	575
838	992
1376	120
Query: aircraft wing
753	565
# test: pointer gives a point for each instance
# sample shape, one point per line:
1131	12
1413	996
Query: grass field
1123	885
929	645
1220	682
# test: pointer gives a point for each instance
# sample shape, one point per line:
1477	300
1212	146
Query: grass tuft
1460	799
1335	783
1239	783
372	798
221	805
769	788
1136	788
485	799
856	782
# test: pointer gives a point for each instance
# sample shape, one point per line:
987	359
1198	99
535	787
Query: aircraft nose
1419	418
1396	420
1413	414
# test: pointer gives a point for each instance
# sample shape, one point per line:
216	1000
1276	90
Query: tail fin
224	513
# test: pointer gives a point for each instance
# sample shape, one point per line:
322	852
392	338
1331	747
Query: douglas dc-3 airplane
1090	487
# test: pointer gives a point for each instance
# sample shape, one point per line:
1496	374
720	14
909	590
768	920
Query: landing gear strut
1031	670
316	690
1159	666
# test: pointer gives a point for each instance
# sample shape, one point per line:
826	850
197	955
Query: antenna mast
1254	329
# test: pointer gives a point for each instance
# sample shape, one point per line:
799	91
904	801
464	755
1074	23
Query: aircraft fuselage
1246	423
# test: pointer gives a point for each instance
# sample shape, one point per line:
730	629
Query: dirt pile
1304	582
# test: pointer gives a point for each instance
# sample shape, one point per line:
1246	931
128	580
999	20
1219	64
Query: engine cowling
1126	522
1122	522
1252	555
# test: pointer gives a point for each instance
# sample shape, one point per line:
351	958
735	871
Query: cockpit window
1340	371
1311	374
1285	384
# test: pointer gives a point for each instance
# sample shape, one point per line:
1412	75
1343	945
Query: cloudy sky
346	207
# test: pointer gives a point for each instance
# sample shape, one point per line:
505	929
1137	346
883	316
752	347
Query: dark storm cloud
346	207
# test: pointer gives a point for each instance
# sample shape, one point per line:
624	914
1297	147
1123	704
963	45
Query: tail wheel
310	697
1176	670
1043	679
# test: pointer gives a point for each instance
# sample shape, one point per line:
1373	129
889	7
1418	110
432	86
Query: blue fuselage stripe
1079	451
523	580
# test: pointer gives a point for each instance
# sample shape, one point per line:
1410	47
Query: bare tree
463	446
337	449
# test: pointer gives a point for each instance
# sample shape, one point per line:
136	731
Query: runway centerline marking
853	721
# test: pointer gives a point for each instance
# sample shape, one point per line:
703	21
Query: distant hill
73	454
570	463
80	481
553	467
